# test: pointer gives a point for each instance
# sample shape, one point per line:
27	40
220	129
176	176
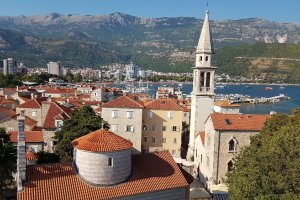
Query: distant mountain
163	44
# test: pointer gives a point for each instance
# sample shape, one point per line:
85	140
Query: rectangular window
58	123
163	128
145	139
174	141
145	127
150	114
175	128
114	128
153	127
114	114
129	128
173	152
163	140
170	115
110	162
153	139
129	114
33	113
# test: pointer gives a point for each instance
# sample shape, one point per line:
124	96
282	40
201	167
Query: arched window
200	58
206	58
230	166
208	79
231	144
202	79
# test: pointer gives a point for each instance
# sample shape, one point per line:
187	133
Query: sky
273	10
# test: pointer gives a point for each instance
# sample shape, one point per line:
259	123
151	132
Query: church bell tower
203	85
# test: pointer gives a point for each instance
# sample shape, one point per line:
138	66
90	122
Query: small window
175	128
114	114
163	140
150	114
129	128
173	152
170	115
153	139
174	141
206	58
114	128
231	145
230	166
145	127
201	158
58	123
129	114
110	162
163	128
33	113
145	139
200	58
153	128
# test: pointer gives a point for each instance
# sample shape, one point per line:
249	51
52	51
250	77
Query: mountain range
95	40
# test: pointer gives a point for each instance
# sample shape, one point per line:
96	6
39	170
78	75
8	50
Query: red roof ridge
101	140
123	102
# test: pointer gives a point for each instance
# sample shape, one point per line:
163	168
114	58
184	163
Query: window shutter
132	129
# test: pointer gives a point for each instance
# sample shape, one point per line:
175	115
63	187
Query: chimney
49	99
5	96
17	88
21	157
32	96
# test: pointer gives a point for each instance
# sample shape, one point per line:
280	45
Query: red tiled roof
225	104
4	101
238	122
123	102
55	112
151	173
101	141
202	136
33	103
30	136
163	104
31	156
28	120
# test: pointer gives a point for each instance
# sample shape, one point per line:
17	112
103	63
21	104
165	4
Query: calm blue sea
254	91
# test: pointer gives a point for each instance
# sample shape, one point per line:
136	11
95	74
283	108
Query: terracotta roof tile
54	111
123	102
30	136
202	136
151	173
33	103
101	141
31	156
238	122
164	104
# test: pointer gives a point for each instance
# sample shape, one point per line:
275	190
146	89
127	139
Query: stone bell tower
203	85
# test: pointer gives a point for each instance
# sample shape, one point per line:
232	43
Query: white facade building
56	69
10	66
131	72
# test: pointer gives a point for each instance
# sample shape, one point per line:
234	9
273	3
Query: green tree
8	160
82	122
77	77
270	167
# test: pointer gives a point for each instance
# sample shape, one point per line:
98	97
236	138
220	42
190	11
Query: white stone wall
201	108
93	167
121	121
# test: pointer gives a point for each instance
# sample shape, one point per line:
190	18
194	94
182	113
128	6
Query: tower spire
205	44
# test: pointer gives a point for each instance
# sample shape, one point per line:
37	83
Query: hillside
161	44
